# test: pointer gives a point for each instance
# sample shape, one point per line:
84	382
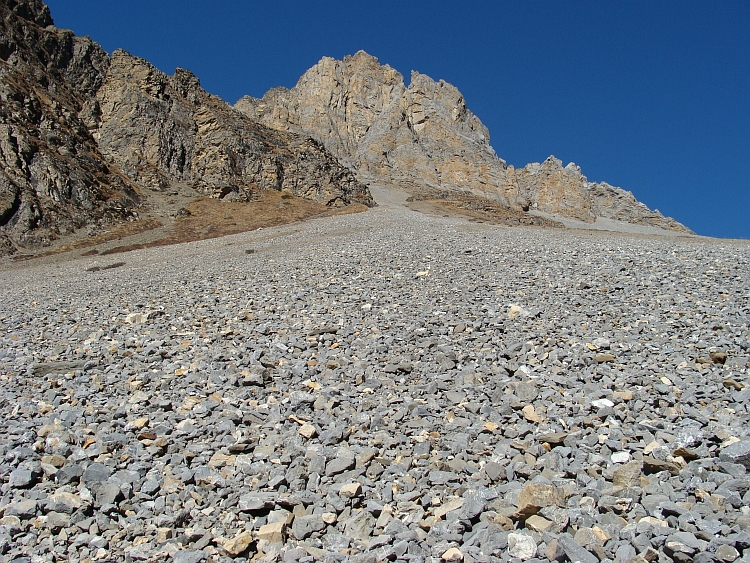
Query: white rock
620	457
521	546
601	403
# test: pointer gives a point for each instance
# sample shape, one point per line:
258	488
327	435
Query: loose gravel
380	386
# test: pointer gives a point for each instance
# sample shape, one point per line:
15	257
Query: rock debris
380	386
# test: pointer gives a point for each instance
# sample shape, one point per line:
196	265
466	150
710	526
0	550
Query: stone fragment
521	546
238	544
350	490
620	457
360	526
108	493
539	524
653	465
189	556
452	554
339	465
555	552
602	403
305	526
57	520
24	508
21	478
536	496
727	553
273	532
447	507
574	551
95	474
553	438
307	431
530	414
63	501
628	475
739	452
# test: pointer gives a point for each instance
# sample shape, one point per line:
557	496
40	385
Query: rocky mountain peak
424	138
34	11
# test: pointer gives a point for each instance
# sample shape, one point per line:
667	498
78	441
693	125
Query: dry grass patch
115	233
211	218
479	210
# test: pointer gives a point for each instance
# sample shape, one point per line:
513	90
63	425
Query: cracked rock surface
380	386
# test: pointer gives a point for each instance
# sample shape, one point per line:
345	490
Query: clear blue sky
653	97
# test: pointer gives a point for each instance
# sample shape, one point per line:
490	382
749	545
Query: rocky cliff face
161	129
565	191
84	138
420	138
423	138
53	178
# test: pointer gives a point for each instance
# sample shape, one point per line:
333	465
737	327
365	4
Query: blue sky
653	97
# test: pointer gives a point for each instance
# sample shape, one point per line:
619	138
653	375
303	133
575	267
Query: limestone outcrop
423	138
420	137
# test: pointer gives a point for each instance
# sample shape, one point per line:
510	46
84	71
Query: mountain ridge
423	137
88	140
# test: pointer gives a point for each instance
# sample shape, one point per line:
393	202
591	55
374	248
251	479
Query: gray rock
304	526
21	478
575	551
339	465
739	452
95	474
189	556
108	493
24	508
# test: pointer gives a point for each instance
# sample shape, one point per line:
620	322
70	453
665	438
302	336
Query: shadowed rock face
424	138
53	178
83	137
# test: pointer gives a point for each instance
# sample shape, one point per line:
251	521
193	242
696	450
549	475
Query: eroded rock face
83	137
337	100
564	190
423	138
616	203
555	189
162	129
53	178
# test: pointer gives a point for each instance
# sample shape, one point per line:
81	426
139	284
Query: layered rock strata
53	177
162	129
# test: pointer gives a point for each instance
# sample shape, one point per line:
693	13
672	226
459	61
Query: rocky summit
385	386
423	138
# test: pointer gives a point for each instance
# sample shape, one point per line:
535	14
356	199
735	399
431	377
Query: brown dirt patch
211	218
201	218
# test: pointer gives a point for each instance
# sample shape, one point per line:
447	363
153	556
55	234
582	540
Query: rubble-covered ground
380	386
